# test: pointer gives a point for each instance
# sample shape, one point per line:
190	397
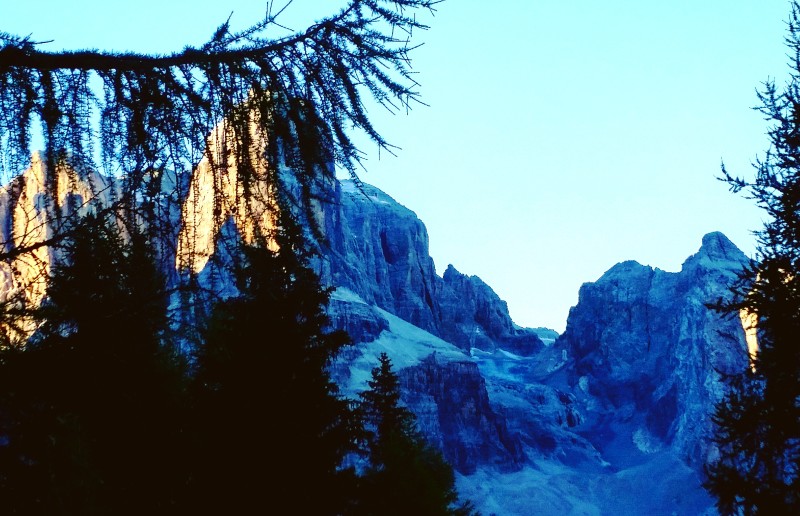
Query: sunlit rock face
750	325
218	193
645	350
27	222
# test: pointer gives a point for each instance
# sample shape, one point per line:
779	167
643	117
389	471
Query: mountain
380	251
646	350
378	258
612	417
577	423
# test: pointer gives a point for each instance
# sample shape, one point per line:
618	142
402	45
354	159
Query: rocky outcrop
542	417
27	220
626	392
646	351
439	383
627	389
378	248
362	322
623	397
378	257
474	316
380	251
453	410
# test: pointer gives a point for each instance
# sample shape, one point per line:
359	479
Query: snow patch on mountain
405	344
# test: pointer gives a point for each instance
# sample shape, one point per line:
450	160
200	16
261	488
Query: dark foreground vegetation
132	387
100	412
758	420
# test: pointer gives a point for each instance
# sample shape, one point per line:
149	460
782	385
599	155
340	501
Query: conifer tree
758	421
273	430
91	405
406	475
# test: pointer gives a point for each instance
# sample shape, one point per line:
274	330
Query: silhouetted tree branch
258	120
758	420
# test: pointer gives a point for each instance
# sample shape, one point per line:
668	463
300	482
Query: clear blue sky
562	136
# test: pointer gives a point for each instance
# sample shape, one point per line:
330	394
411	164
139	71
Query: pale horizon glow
560	138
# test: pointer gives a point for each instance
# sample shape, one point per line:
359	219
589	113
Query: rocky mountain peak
717	251
717	245
646	350
381	253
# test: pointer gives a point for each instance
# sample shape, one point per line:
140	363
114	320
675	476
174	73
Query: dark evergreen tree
406	475
90	407
758	421
273	430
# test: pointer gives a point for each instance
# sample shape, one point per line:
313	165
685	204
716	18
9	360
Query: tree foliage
276	108
405	475
758	421
272	430
90	407
157	111
99	415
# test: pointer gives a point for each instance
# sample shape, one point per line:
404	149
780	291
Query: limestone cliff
440	383
645	349
474	316
380	252
27	219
